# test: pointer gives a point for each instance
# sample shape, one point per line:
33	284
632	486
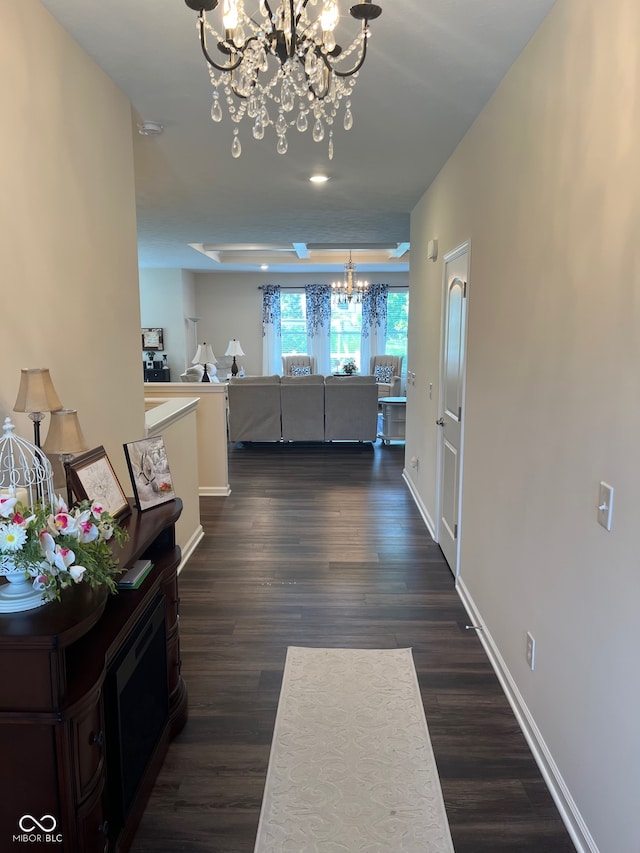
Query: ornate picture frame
91	477
152	339
149	471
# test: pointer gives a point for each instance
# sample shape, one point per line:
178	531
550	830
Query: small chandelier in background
310	69
349	290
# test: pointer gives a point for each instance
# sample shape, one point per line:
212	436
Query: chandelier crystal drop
351	289
279	63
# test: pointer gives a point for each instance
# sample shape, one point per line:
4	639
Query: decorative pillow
298	370
383	373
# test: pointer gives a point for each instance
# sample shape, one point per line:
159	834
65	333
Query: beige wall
176	421
545	185
68	231
211	428
166	302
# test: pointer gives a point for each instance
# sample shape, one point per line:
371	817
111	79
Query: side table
155	374
394	414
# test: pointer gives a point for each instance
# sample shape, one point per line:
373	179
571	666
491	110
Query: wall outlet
531	651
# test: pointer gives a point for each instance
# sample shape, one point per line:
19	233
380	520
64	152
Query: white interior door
453	351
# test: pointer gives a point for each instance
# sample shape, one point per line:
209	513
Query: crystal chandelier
349	290
275	61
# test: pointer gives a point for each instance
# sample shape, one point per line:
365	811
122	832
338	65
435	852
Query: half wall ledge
211	428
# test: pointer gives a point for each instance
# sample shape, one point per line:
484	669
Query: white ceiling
432	66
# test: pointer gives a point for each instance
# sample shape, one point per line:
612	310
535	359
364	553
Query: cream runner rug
351	768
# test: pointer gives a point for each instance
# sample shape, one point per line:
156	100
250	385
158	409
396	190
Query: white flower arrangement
58	546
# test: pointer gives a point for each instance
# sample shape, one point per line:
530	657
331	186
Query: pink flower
97	509
41	583
63	523
59	504
87	531
6	505
47	546
63	558
21	521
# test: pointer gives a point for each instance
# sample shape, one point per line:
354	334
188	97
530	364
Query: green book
133	577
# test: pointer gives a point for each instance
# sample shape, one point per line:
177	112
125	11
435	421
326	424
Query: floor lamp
195	321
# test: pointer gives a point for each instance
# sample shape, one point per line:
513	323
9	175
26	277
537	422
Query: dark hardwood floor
323	546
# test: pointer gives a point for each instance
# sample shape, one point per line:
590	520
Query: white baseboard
421	507
569	812
214	491
558	789
190	546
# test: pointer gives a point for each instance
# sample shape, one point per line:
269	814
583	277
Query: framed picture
92	478
152	339
149	470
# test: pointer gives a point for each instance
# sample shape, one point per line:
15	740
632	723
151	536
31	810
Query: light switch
605	505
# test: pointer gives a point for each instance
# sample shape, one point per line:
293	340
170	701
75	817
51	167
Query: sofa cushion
298	370
383	373
254	409
273	379
301	381
302	401
350	408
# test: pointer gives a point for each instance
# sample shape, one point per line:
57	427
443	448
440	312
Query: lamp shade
65	435
204	355
234	348
36	392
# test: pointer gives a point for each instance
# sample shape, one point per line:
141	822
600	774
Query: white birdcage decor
26	474
24	469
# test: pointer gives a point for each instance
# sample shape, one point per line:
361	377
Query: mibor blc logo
38	830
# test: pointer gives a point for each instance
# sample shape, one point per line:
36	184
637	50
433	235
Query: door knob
440	422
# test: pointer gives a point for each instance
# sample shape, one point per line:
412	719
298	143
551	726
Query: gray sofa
303	408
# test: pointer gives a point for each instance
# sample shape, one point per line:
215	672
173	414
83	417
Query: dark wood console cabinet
90	696
157	374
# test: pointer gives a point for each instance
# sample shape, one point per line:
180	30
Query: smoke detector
150	128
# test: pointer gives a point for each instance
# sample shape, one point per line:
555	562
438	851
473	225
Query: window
346	325
397	323
293	321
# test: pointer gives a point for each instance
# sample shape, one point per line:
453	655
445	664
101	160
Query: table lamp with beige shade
65	439
36	395
234	349
204	356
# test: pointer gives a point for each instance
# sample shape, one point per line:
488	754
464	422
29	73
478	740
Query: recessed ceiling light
319	179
